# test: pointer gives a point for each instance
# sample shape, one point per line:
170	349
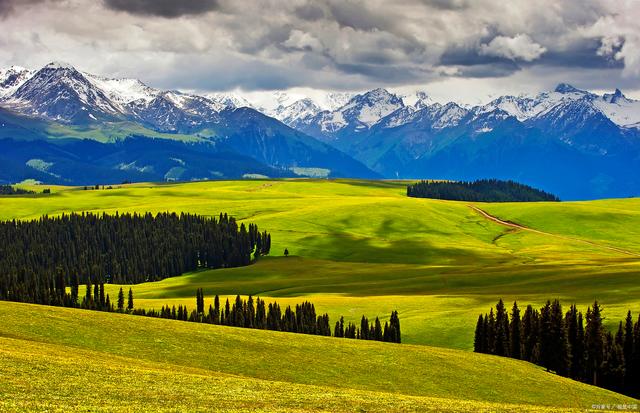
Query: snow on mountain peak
370	107
123	90
12	78
567	88
58	65
299	111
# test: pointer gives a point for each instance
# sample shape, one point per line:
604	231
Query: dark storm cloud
163	8
342	44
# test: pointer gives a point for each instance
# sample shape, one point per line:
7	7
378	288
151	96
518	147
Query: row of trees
40	258
483	190
11	190
257	314
567	343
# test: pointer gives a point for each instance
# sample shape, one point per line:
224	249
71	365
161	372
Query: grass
110	362
358	247
363	247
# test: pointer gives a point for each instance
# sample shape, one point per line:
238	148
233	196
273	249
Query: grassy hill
115	362
363	247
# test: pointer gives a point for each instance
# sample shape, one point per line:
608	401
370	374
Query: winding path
536	231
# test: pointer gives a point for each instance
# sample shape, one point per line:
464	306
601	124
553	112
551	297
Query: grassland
58	359
363	247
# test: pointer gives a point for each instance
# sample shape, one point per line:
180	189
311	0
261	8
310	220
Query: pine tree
560	357
530	331
491	332
575	338
121	300
364	328
546	347
377	332
515	332
594	344
130	301
339	329
216	310
628	347
479	336
501	346
200	301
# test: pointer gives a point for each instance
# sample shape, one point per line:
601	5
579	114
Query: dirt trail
522	227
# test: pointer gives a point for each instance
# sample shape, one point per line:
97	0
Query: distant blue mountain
63	126
570	142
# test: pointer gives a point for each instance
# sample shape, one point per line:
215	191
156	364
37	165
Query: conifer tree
121	300
339	329
594	344
515	332
501	346
199	301
628	347
479	336
491	332
215	316
130	300
530	331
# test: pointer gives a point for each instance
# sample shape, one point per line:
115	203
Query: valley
363	247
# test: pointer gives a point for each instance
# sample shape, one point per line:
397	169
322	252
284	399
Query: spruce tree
628	346
515	332
130	300
199	301
501	346
594	344
121	300
216	310
491	332
479	337
560	357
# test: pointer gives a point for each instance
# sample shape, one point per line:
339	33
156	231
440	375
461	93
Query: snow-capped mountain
230	100
60	92
616	107
12	78
123	91
60	101
570	141
297	114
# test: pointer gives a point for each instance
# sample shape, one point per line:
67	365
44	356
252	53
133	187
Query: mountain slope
59	102
292	360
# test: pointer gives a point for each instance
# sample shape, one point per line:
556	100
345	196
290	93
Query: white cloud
519	47
332	44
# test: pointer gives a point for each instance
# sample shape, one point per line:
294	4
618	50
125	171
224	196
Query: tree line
39	259
483	190
566	343
11	190
257	314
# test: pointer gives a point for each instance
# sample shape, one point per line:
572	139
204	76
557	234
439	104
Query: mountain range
61	125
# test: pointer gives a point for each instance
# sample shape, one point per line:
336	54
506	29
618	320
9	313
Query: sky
462	50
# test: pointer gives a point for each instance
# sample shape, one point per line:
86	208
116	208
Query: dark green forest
566	343
40	258
484	190
10	190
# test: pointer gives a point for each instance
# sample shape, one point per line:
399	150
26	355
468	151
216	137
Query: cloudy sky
464	50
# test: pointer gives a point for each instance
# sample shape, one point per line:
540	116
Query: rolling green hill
58	359
363	247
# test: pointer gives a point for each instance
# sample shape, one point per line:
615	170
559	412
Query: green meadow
363	247
60	359
357	248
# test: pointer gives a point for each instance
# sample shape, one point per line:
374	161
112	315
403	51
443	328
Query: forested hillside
484	190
